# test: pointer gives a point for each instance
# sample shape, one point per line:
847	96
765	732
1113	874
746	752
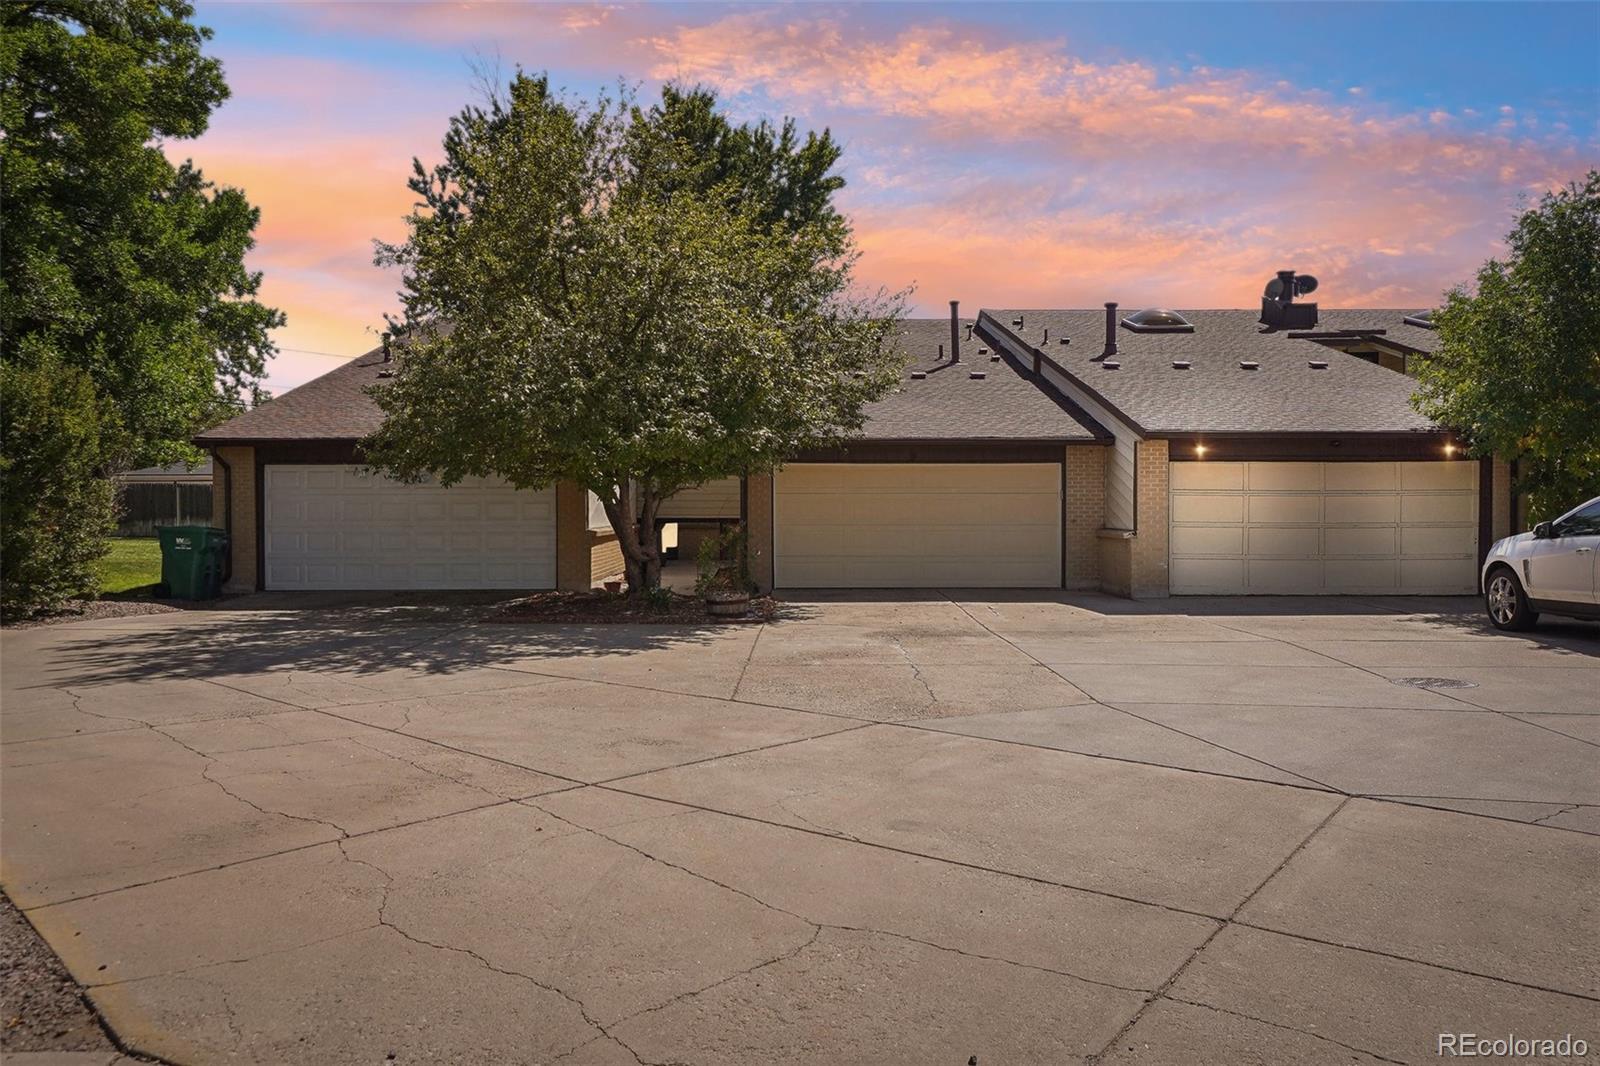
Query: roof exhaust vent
918	375
941	353
1111	330
1249	364
1317	364
983	351
955	331
1180	364
978	375
1111	364
388	348
1017	321
1278	309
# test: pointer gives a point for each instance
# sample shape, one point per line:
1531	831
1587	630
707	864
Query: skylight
1421	318
1157	320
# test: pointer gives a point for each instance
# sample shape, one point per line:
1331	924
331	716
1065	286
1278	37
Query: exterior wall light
1200	450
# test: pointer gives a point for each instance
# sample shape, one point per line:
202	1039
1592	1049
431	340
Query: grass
132	565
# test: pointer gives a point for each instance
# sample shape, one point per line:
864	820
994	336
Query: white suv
1550	569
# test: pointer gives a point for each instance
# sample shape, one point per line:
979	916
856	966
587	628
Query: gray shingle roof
949	404
946	405
332	407
1214	395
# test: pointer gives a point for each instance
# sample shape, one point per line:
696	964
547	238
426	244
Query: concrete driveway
1071	829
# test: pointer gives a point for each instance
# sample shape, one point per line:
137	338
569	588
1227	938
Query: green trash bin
193	561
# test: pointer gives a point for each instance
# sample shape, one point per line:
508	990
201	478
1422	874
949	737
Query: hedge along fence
148	504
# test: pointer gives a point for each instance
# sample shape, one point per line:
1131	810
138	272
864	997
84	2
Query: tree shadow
346	633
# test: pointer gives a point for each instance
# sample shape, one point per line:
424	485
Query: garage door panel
1299	508
888	525
1360	477
1297	542
1338	540
1445	476
1284	477
1457	507
1207	508
1374	527
1201	476
347	528
1354	509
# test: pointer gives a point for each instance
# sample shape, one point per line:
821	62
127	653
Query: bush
56	505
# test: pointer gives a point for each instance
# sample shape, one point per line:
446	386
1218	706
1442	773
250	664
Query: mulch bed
89	610
41	1007
603	608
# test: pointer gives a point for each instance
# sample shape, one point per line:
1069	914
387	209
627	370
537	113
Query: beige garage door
906	525
1309	528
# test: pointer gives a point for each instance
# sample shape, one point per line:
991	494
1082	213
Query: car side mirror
1542	531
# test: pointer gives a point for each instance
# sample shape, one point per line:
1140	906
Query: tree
118	264
593	294
1518	366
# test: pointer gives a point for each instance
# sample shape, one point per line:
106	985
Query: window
1583	523
1157	320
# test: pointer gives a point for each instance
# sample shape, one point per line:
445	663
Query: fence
146	505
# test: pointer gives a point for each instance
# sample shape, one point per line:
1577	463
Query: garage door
340	527
1308	528
904	525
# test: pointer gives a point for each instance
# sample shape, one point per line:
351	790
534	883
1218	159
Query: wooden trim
1061	532
1485	509
939	452
261	522
1323	447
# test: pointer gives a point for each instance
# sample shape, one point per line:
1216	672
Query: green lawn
131	565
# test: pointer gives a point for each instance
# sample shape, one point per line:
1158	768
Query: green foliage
658	598
56	509
1518	368
119	265
635	299
723	565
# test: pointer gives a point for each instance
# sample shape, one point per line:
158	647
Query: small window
1157	320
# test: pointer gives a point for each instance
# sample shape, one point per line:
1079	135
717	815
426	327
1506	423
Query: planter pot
727	604
613	587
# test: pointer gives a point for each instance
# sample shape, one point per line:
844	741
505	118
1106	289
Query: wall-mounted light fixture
1449	450
1200	450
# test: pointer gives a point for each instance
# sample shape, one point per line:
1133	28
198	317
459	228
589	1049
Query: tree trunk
636	536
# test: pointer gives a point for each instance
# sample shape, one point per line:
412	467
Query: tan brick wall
573	561
1086	513
1116	561
1150	579
605	556
241	482
758	503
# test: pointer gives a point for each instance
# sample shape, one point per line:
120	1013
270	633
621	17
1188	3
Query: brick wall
758	504
605	556
1086	512
1149	577
573	561
242	486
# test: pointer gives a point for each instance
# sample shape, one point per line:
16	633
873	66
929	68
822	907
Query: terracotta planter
613	587
727	603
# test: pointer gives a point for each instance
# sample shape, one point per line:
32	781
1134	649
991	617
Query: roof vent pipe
1111	330
955	331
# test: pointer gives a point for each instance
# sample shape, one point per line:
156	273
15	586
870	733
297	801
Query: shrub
56	505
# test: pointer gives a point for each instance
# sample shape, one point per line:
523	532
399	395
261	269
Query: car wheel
1508	607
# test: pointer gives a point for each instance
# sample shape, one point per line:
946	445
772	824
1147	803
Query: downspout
227	509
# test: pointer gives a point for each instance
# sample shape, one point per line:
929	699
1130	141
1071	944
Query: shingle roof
1215	395
948	403
332	407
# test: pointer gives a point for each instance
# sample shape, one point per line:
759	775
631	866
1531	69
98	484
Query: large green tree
637	299
1518	366
117	265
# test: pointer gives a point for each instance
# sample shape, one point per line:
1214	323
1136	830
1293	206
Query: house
1145	453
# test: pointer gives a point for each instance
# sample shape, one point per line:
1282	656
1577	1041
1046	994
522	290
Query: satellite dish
1274	290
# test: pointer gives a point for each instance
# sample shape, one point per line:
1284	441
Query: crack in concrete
1568	809
1172	979
386	922
1287	1028
820	925
440	774
734	695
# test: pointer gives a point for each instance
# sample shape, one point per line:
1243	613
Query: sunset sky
1003	155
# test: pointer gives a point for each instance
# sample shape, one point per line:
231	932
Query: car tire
1505	602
